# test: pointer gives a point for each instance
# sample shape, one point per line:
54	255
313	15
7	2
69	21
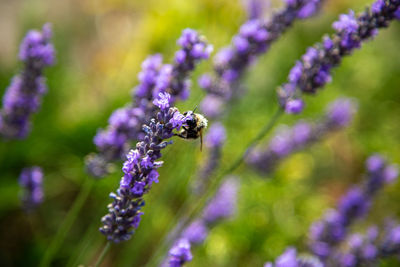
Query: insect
195	124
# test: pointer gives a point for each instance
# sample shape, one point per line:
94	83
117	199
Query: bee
195	124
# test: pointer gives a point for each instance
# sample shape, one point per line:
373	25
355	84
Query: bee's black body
194	126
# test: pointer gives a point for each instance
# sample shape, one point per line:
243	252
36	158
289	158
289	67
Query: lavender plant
290	259
288	140
368	249
140	172
214	141
23	96
255	8
31	182
254	39
125	123
327	233
313	71
222	206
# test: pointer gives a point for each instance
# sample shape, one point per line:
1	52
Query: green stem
67	223
185	215
103	254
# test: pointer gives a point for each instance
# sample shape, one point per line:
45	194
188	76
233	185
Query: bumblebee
195	124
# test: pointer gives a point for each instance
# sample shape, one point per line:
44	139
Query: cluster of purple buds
254	38
125	124
290	259
289	140
368	249
313	71
214	141
31	182
140	172
222	206
327	233
23	96
256	8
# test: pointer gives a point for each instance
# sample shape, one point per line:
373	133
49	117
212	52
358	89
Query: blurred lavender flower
256	8
222	206
125	124
313	70
23	96
214	141
303	134
180	253
31	182
326	234
290	259
140	172
368	249
254	38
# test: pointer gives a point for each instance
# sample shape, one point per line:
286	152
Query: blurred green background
100	45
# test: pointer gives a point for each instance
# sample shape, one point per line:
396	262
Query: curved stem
103	254
185	215
67	223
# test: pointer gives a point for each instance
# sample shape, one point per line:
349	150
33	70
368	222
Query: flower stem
185	214
103	254
67	223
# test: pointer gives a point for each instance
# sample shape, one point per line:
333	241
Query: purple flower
255	8
294	106
281	144
31	182
211	106
375	163
377	6
155	78
180	253
313	70
326	234
253	39
287	259
196	232
223	205
216	135
290	259
139	175
353	205
340	112
163	101
301	135
23	96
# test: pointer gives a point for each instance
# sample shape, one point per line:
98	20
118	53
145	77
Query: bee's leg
180	135
201	140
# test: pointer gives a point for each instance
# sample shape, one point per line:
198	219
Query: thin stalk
103	254
67	223
185	215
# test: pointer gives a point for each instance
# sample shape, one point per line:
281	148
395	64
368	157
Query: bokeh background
100	45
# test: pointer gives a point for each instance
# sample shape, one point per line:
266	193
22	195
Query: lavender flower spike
23	96
254	39
140	172
125	124
214	141
290	259
313	71
31	182
222	206
287	140
368	249
326	234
